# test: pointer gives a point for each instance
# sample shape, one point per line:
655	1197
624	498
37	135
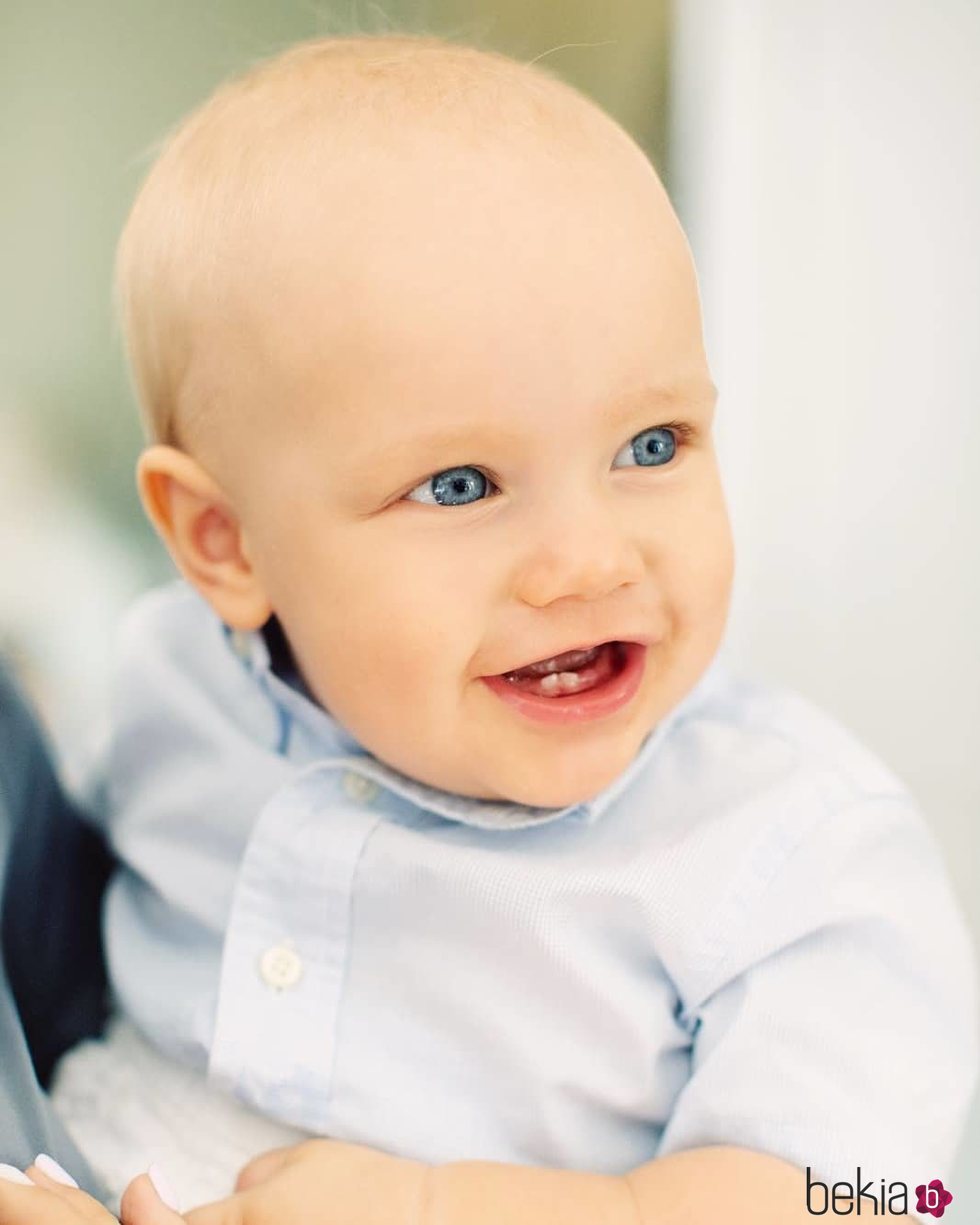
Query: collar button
357	787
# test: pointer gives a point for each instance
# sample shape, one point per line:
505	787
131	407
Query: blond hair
220	168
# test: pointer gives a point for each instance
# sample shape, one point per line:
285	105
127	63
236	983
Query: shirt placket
287	944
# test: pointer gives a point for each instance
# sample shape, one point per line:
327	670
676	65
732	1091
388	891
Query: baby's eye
651	447
465	485
453	487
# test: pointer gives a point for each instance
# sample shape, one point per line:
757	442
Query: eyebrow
700	396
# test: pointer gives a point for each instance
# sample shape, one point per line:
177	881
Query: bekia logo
933	1198
843	1198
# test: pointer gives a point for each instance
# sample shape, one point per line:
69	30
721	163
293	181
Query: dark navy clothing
53	870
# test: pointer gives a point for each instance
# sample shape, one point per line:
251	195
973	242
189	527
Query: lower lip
597	703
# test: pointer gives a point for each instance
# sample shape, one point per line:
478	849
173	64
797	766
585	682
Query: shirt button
281	967
360	788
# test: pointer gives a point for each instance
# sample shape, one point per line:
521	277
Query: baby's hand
319	1182
49	1196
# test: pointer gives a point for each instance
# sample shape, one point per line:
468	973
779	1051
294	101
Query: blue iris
654	446
450	488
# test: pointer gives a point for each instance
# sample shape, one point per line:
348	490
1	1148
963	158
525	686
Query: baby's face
479	436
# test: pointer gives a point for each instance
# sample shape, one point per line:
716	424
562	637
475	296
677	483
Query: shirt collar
331	738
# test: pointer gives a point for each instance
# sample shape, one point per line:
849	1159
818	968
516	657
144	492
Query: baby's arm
709	1186
333	1183
717	1185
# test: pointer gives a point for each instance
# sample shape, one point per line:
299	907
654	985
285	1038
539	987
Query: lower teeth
561	682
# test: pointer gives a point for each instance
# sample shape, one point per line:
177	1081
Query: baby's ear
197	523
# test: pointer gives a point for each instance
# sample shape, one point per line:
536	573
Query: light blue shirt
748	938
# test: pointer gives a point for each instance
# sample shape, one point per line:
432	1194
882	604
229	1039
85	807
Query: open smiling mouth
575	686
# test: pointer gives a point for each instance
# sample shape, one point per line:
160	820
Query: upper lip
644	639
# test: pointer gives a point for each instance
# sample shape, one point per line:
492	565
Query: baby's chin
563	778
564	797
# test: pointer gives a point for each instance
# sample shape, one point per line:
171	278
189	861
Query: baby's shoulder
177	667
745	726
166	621
171	644
779	822
751	777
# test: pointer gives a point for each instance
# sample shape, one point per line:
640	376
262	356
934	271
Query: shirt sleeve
839	1026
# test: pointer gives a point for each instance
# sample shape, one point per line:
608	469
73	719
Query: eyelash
683	433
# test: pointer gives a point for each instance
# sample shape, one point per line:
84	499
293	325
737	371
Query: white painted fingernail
161	1184
48	1165
10	1173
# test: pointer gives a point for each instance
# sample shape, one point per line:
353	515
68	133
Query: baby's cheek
722	572
704	555
394	648
697	587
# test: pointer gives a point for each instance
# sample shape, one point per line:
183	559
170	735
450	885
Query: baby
444	834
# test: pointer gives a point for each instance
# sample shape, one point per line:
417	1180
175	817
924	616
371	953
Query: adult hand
43	1200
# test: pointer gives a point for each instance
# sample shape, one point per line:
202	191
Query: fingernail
48	1165
161	1184
10	1173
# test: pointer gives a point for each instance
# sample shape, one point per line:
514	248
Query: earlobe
198	524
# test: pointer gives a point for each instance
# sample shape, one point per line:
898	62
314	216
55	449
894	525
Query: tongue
567	662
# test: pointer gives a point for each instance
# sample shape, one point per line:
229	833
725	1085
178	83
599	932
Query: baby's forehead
376	156
314	159
304	128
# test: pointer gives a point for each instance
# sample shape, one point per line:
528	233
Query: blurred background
823	157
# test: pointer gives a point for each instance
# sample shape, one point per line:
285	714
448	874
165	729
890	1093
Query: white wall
827	167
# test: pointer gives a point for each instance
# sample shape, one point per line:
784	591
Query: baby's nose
585	556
